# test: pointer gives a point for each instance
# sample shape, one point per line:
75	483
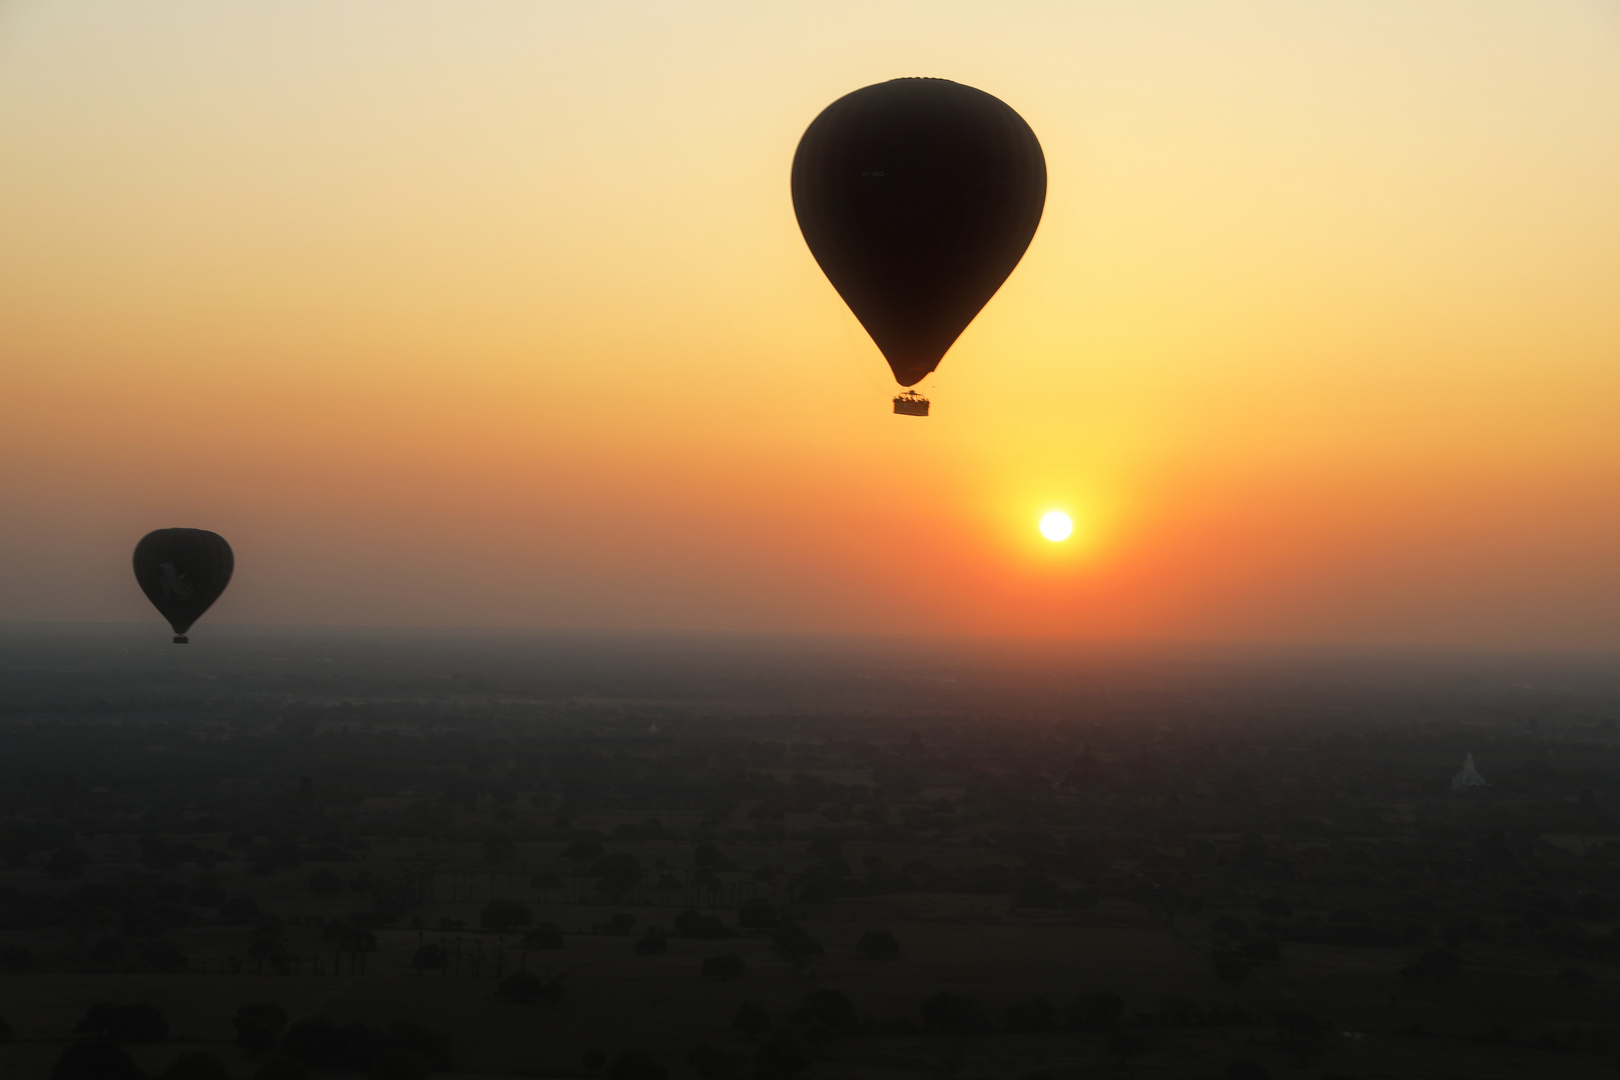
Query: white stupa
1468	779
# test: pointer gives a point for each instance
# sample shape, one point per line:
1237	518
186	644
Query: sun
1056	526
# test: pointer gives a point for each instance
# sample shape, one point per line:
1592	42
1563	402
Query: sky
486	313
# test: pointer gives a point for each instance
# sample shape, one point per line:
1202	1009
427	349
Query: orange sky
497	314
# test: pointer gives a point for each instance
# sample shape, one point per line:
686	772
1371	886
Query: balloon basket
910	403
181	639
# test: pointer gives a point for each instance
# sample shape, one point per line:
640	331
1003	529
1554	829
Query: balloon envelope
918	197
183	571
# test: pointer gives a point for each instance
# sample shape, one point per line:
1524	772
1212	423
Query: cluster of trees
402	1051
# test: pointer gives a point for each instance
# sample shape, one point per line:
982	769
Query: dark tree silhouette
324	882
1439	964
1036	1014
878	945
652	943
504	915
1126	1044
544	936
399	1064
619	925
783	1053
257	1026
95	1059
637	1065
1302	1035
830	1007
711	1062
282	1068
751	1020
617	874
1095	1012
196	1065
795	945
757	914
726	967
955	1014
431	957
689	924
585	849
137	1024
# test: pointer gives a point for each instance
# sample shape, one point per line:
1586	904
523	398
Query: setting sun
1056	526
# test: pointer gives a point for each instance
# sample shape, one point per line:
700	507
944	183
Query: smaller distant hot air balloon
183	571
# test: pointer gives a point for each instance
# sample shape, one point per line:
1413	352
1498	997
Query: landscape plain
1001	859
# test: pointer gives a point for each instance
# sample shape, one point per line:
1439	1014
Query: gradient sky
496	313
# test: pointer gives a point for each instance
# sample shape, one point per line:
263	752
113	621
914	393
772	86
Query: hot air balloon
918	197
183	571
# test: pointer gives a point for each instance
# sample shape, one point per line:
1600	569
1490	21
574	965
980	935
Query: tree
546	879
399	1064
757	914
66	863
751	1020
196	1065
95	1059
281	1067
544	936
783	1053
830	1007
955	1014
878	945
521	986
1302	1035
619	925
1439	964
652	943
1095	1012
1126	1044
711	1062
1036	1014
1259	947
795	945
593	1059
257	1026
689	924
1039	891
617	874
431	957
504	915
5	1031
637	1065
585	849
1231	969
137	1024
1247	1070
164	955
324	882
16	958
725	968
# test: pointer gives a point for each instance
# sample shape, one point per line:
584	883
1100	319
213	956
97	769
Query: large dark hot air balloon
918	197
183	571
